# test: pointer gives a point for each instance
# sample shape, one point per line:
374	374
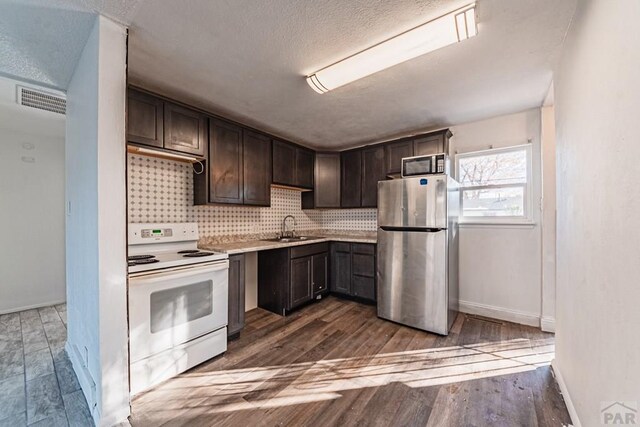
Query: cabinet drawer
306	250
363	248
363	265
341	247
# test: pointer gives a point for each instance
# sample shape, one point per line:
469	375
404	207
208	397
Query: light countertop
242	246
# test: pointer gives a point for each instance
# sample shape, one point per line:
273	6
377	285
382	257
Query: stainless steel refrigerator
417	268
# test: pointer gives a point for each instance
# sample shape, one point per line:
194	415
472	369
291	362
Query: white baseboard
32	306
565	394
501	313
548	324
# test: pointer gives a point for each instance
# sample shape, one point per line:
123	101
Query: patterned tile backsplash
162	191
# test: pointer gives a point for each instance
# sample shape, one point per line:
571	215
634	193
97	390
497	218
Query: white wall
32	261
96	225
548	139
500	265
597	106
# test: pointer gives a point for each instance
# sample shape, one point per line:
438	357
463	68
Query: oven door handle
182	271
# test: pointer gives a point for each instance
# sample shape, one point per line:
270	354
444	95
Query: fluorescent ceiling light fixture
448	29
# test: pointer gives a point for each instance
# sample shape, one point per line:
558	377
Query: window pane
507	201
493	169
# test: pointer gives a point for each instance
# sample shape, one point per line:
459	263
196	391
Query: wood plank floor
37	383
334	363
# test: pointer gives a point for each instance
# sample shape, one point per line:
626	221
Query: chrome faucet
286	233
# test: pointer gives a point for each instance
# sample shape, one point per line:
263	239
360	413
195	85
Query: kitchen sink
291	239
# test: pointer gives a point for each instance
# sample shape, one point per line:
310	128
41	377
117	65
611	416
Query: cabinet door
184	130
284	163
395	151
341	268
320	265
351	179
363	265
225	159
433	143
327	180
373	170
364	287
304	168
236	294
430	144
257	168
144	118
300	290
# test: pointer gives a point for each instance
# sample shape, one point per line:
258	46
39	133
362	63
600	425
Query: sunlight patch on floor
298	383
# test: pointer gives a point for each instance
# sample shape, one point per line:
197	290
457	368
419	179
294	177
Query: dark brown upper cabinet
284	163
239	166
395	152
184	130
225	163
304	168
433	143
144	119
292	165
257	168
361	170
351	179
373	170
326	192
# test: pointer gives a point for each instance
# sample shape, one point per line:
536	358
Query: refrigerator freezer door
413	279
419	202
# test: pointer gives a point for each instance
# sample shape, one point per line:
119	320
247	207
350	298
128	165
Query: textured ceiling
247	59
41	40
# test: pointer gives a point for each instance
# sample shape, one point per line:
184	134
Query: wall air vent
35	98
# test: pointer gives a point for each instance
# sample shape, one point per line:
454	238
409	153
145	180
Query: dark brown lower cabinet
300	290
291	277
320	273
341	268
236	295
353	270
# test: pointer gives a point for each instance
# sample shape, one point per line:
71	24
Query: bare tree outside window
494	183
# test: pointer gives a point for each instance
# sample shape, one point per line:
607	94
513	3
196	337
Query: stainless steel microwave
425	165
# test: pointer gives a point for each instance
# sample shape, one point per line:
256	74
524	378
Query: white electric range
178	297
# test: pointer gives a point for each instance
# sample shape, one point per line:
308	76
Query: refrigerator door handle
414	229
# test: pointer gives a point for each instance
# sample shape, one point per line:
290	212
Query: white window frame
527	218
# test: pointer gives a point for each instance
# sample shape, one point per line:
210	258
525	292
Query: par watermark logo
619	413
